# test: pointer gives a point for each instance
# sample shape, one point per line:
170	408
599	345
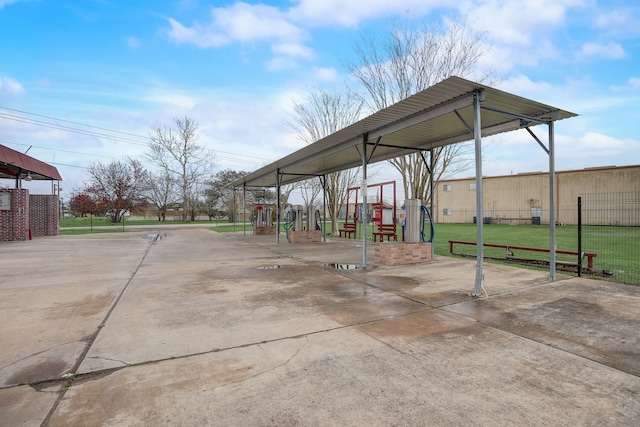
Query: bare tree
118	187
178	154
322	113
310	190
285	193
197	202
407	60
162	193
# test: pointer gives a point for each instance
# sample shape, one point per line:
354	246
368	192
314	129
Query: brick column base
263	231
400	253
304	236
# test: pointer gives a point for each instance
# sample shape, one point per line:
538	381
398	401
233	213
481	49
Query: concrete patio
191	327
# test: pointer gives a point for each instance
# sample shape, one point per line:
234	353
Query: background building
524	198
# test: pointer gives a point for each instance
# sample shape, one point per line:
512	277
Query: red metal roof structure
14	164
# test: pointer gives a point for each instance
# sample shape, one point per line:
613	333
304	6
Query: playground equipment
382	215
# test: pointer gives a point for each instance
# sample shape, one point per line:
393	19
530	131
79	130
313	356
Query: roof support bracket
546	150
424	160
463	122
374	148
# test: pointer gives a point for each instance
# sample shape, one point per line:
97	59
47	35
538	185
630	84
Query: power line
57	149
70	166
70	129
114	138
72	122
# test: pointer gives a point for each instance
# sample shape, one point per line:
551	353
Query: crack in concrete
125	364
285	363
92	338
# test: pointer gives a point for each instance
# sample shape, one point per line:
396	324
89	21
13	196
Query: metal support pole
552	205
431	188
323	180
477	134
365	208
579	236
278	182
244	199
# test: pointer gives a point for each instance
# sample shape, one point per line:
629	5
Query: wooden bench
349	228
509	248
388	230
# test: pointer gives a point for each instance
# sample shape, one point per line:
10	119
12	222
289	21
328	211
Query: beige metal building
524	198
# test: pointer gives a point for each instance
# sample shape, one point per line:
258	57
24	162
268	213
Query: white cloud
518	22
240	22
517	152
172	100
521	32
133	42
325	74
280	63
524	86
634	83
10	86
595	146
292	49
350	13
619	21
609	51
4	3
197	35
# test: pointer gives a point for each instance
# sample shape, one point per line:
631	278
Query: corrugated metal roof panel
13	162
422	121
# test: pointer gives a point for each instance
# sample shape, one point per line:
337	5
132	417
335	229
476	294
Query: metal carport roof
14	164
428	119
452	111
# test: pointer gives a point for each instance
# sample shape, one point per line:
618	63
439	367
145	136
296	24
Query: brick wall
14	222
43	215
264	231
304	236
401	253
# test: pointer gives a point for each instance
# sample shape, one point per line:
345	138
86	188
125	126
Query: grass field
617	248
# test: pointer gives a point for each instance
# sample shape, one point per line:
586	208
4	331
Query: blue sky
236	66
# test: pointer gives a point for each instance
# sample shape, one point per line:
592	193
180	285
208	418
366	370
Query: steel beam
477	134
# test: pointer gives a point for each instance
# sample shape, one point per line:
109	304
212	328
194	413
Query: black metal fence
609	224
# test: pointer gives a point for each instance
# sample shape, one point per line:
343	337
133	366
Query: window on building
472	186
446	187
447	212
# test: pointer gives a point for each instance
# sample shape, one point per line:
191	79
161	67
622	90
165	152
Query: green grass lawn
619	254
106	222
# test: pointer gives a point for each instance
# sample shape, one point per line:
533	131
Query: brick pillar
14	221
